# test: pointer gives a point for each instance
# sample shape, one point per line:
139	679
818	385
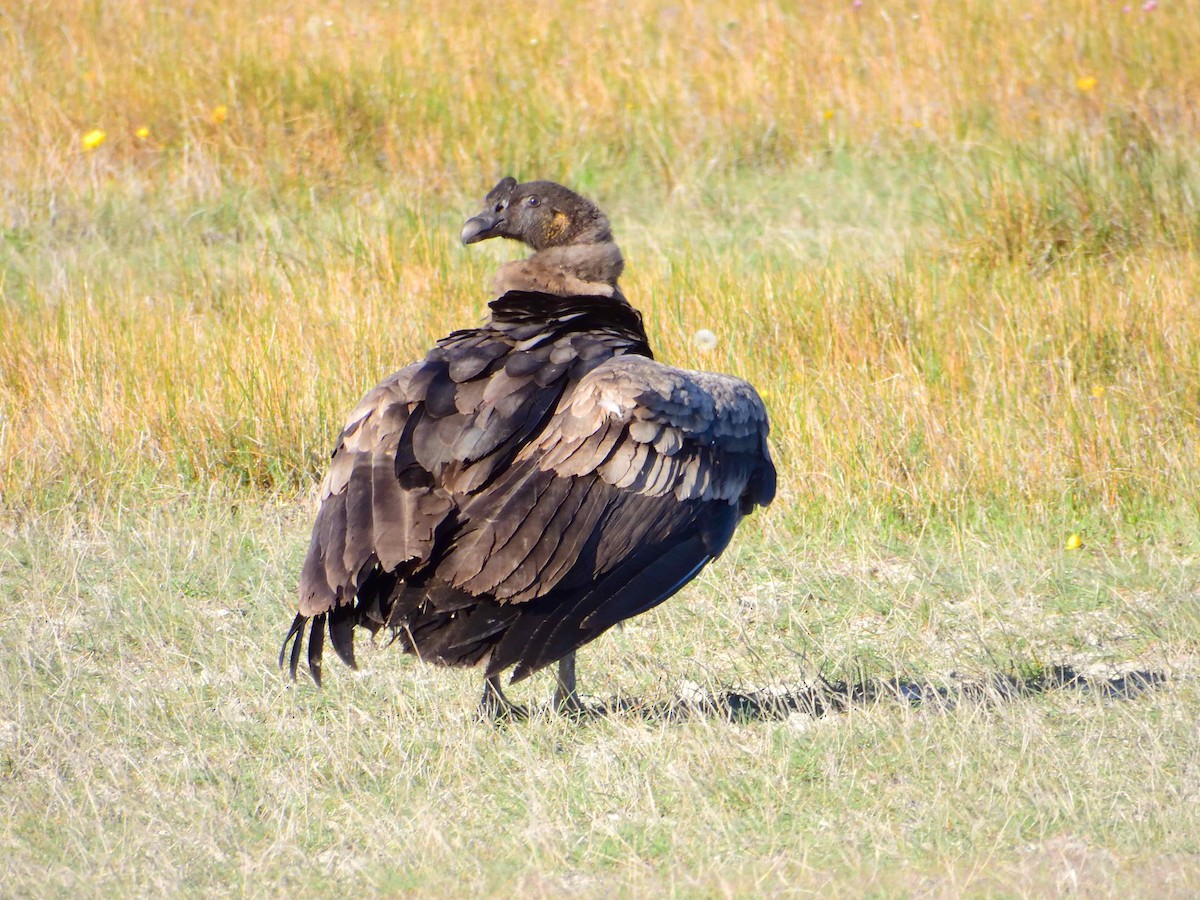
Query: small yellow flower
1098	391
1086	83
93	139
142	133
828	114
1074	542
219	114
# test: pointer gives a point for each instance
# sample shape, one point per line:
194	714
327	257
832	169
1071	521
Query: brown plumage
533	481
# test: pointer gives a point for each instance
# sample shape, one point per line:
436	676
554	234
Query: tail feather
341	633
316	646
296	632
293	645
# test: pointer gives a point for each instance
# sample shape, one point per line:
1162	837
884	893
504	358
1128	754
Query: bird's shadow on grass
823	698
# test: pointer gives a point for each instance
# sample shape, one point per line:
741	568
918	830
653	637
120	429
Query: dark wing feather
635	484
345	539
553	626
639	586
609	430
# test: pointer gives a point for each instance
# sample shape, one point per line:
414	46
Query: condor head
540	214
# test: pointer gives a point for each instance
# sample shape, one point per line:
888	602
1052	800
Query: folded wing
636	483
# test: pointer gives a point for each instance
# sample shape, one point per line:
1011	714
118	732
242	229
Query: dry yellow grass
931	391
933	235
439	95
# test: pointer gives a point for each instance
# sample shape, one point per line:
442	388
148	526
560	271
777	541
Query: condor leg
566	699
494	706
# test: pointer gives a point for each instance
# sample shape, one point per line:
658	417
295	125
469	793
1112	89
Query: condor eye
532	201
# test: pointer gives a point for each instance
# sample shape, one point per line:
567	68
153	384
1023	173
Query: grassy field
956	245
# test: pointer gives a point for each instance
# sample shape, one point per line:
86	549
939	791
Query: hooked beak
481	227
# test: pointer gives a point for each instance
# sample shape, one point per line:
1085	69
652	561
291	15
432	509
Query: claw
495	707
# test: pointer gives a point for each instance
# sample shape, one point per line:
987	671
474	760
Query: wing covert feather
694	434
671	448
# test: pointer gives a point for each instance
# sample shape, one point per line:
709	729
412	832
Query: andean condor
535	480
